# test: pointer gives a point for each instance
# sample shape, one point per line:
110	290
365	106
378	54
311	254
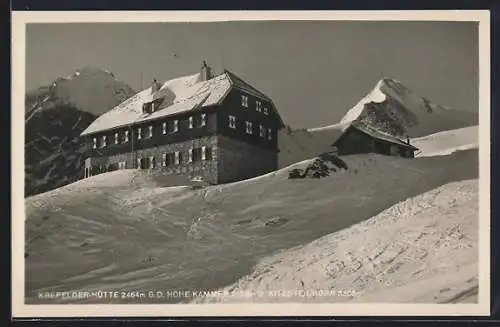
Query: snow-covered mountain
390	108
89	89
55	115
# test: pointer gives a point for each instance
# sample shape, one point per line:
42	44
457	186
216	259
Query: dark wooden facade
217	122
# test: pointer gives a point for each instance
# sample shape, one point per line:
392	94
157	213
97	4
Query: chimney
206	72
155	86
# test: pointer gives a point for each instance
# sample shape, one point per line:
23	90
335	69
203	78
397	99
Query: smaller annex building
359	138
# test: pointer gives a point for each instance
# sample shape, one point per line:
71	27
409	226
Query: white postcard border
19	309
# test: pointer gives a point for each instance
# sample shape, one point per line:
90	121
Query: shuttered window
244	101
203	153
249	127
232	122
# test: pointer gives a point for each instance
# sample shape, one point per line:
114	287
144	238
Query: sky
313	70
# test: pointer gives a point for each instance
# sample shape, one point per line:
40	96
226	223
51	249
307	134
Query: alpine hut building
219	128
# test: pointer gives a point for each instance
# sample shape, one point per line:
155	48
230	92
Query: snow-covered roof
381	135
179	95
376	134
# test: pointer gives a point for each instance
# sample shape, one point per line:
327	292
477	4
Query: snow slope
447	142
125	231
423	249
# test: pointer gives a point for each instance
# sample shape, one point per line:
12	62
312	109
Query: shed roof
378	135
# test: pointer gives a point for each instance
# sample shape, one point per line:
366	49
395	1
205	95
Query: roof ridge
253	88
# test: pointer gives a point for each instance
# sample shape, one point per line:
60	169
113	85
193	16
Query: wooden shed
358	139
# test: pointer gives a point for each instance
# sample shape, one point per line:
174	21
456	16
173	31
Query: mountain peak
90	89
392	108
388	82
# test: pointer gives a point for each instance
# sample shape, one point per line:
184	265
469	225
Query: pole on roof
222	59
221	45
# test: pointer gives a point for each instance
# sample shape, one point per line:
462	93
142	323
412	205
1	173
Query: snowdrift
447	142
423	249
124	231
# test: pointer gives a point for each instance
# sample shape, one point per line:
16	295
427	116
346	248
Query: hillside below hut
358	138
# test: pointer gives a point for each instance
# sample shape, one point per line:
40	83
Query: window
198	121
177	158
144	163
95	142
232	122
139	133
244	101
258	106
148	107
262	131
170	127
190	155
150	132
266	111
167	159
212	154
198	154
269	134
116	138
164	159
122	165
103	143
152	162
249	127
203	153
126	137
